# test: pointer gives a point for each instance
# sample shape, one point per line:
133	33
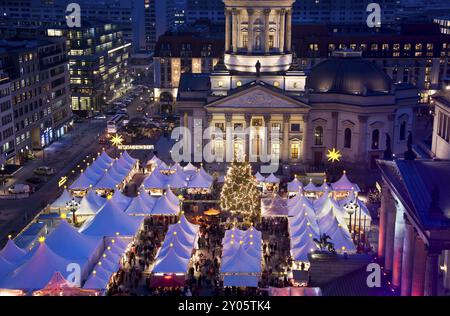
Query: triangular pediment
257	96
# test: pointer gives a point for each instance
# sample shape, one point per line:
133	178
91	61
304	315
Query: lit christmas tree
240	194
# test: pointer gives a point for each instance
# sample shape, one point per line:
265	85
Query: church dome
348	74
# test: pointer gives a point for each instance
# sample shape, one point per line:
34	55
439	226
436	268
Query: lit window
239	83
295	151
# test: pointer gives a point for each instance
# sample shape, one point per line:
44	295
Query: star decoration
334	155
117	140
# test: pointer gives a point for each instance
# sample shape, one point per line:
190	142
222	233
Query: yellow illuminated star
334	155
117	140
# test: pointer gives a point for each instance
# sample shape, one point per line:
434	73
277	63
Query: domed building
345	102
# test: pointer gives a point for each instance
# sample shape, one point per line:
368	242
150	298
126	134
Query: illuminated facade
345	102
98	62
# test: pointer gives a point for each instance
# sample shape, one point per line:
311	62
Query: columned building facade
345	102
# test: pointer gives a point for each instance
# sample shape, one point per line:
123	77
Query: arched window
375	139
318	136
348	138
403	130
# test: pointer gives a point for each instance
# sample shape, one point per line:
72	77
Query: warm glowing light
41	239
117	140
334	155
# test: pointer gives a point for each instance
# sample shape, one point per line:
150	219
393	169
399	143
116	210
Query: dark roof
170	45
423	186
349	75
190	82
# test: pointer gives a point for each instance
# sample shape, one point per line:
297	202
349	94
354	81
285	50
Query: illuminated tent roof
276	207
304	221
326	212
37	271
5	267
120	169
164	206
120	200
299	203
61	202
344	184
58	286
100	165
108	182
12	253
240	261
172	197
70	244
200	181
95	282
141	205
205	174
259	177
352	198
325	187
188	227
105	157
156	180
310	187
185	237
94	173
176	243
82	182
111	220
301	249
154	161
272	179
171	263
128	158
190	169
90	203
176	180
340	237
295	185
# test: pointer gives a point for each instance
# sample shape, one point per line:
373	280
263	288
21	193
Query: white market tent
205	174
200	181
259	177
240	261
190	169
105	157
294	186
83	182
110	181
141	205
5	267
156	180
12	253
171	263
275	206
90	203
272	179
127	157
176	180
70	244
95	282
172	197
164	206
110	221
37	271
120	200
325	187
311	187
188	227
94	172
344	184
62	200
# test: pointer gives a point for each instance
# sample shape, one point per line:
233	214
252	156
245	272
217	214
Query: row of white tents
176	176
142	205
241	257
342	185
72	253
310	219
106	173
175	253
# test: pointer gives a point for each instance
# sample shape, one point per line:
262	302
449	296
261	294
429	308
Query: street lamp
351	209
72	206
3	178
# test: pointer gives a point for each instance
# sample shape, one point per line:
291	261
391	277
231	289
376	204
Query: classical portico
414	235
258	30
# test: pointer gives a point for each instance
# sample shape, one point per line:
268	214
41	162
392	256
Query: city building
6	119
187	51
98	62
345	102
211	10
342	11
418	53
136	18
441	128
39	87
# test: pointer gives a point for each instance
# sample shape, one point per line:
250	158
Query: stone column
266	142
235	30
305	145
335	117
390	232
398	248
418	274
363	138
250	36
409	243
382	224
446	255
282	29
431	274
248	137
229	141
266	30
285	153
227	29
289	31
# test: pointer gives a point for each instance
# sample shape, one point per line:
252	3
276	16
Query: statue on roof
387	155
410	154
258	68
